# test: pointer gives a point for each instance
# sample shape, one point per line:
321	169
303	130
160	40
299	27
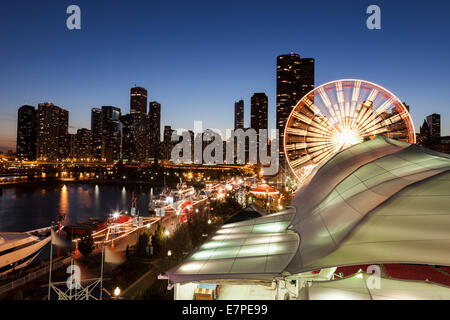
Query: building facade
295	78
155	129
96	130
239	115
83	145
138	100
128	134
27	133
138	110
259	111
434	123
52	140
111	134
63	135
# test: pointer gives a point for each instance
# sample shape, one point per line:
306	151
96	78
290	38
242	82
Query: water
28	208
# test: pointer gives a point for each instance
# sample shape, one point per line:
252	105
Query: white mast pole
50	266
101	272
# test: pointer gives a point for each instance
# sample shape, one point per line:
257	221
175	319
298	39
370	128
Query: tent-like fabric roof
356	288
381	201
257	249
387	203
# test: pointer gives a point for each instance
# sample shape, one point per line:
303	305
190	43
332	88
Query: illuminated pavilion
381	202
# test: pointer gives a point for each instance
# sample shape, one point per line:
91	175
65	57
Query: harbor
118	231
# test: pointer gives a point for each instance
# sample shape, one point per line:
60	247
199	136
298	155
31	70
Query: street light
117	291
166	233
169	253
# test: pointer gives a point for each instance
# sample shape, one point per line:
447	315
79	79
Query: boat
95	224
185	210
19	249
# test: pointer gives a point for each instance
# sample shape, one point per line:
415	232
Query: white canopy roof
356	288
377	202
381	201
257	249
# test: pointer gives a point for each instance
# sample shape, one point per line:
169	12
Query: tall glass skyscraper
96	129
111	134
26	133
239	115
259	111
53	125
295	78
155	129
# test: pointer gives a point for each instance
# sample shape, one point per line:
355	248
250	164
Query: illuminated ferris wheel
337	115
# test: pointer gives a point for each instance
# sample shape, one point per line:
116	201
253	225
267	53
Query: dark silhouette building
307	80
167	143
295	78
423	137
239	115
63	132
128	135
259	111
155	129
83	145
111	134
434	123
53	124
26	133
138	110
138	100
96	130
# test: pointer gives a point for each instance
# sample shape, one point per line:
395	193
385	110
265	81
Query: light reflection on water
27	208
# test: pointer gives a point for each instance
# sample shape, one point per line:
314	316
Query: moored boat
19	249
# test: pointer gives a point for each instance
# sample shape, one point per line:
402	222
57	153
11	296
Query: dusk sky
198	57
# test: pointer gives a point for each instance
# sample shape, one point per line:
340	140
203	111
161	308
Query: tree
180	242
86	244
142	244
158	240
197	226
226	208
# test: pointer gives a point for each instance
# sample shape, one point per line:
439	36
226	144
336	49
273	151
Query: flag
58	241
113	256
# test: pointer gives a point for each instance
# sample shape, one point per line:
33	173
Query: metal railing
33	276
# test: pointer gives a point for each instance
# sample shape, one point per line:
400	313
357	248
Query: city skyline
189	69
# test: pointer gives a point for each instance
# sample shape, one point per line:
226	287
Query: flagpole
101	273
51	256
71	277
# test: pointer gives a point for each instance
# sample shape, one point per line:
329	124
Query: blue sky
198	57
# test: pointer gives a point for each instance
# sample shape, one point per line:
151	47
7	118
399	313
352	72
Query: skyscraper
111	134
295	78
167	134
138	110
259	110
138	100
53	124
72	145
128	135
306	77
26	133
434	123
155	129
167	142
96	130
63	135
239	115
83	144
